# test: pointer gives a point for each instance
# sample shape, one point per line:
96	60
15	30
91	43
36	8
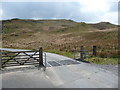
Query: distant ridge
100	25
103	25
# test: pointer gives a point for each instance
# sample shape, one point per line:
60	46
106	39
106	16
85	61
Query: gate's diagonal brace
31	56
10	58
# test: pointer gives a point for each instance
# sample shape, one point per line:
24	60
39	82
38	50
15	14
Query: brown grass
58	37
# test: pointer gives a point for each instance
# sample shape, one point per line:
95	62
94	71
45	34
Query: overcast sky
89	11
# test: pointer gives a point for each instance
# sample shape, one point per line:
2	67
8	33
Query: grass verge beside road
99	60
67	54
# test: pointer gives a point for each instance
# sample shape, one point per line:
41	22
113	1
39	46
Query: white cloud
94	6
80	10
35	18
99	10
40	0
54	0
110	17
1	13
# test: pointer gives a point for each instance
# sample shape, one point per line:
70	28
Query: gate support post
94	51
40	56
82	53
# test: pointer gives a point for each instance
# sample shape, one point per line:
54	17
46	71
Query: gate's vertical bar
81	53
40	57
94	51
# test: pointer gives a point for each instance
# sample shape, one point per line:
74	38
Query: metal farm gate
34	57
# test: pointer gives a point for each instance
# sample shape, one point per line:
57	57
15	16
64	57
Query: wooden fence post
82	53
94	51
74	53
40	56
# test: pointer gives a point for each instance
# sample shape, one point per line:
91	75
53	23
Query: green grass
67	54
99	60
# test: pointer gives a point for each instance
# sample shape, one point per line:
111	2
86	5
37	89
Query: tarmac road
62	72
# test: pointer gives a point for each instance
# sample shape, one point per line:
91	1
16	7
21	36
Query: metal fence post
82	53
41	57
94	51
45	64
45	61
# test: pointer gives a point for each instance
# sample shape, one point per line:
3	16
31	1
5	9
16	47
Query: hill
61	35
103	25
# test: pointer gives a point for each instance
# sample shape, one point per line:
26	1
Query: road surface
61	72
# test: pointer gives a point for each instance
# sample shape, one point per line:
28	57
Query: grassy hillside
103	25
60	35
